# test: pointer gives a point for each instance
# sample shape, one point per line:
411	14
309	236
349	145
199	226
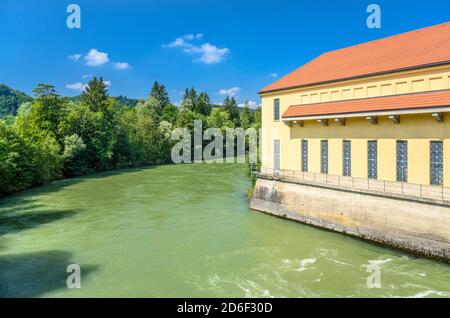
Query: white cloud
79	86
190	37
179	42
274	75
209	53
76	86
182	41
121	65
251	104
87	75
74	57
230	91
96	58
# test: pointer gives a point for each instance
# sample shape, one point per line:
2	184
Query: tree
203	104
198	104
148	141
159	93
169	113
257	118
44	90
94	121
246	117
189	99
27	160
186	118
231	107
16	171
95	95
47	115
220	118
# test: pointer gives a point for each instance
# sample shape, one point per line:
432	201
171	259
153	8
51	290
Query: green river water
186	231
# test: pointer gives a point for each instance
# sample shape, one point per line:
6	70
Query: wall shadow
33	274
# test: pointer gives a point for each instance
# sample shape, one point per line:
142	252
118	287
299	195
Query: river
187	231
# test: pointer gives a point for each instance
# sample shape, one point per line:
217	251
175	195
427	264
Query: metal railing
433	192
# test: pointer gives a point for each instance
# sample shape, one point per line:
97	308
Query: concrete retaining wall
415	226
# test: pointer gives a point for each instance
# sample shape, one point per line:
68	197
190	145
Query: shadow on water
58	185
61	184
21	211
13	223
33	274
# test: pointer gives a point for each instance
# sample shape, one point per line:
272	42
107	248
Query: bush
24	163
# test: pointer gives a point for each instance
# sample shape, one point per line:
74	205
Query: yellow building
378	111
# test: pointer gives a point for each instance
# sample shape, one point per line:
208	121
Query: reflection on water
186	231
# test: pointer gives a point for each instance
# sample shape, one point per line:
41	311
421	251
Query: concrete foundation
419	227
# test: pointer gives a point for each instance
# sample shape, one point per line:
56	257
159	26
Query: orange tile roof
387	103
428	46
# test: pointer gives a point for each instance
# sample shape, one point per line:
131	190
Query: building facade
376	111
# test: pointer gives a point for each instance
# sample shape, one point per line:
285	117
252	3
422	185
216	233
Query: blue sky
223	47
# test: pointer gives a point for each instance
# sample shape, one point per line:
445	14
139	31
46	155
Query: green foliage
203	104
124	101
10	100
160	96
45	115
53	136
74	163
246	117
169	113
220	118
257	118
95	95
120	101
16	172
189	99
147	140
26	161
199	104
231	107
186	118
93	121
44	90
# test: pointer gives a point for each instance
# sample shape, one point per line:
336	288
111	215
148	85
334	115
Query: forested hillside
10	100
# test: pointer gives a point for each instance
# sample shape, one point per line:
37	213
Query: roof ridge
391	37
